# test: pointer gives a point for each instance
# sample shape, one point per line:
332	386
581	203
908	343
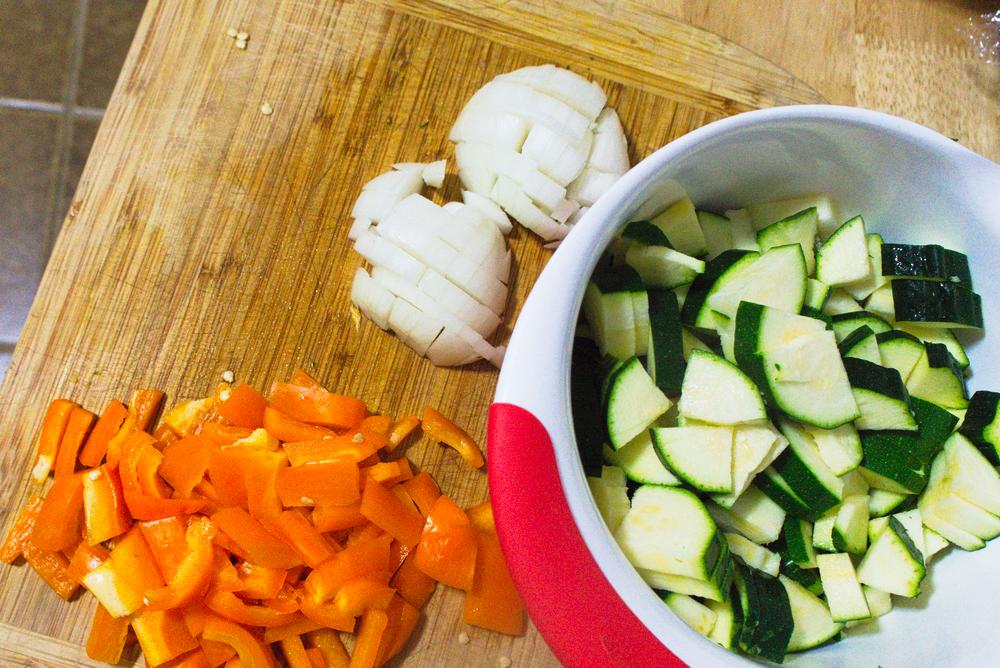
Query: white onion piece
585	96
421	211
459	303
450	349
409	166
421	244
416	328
590	185
477	180
433	173
566	208
475	237
509	195
358	227
519	168
496	129
379	251
483	285
609	152
373	299
555	156
577	215
451	207
503	269
489	208
381	194
523	101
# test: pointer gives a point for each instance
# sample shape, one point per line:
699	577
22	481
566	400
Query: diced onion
433	173
489	208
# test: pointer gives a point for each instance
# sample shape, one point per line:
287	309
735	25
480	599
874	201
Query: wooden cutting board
206	235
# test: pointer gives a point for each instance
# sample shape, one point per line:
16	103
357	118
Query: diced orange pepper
378	424
397	555
196	659
85	559
227	471
360	593
107	636
144	406
328	450
230	606
121	582
493	602
402	619
401	430
363	533
297	628
328	642
330	483
185	463
316	659
481	517
252	653
225	576
297	531
193	573
423	490
294	652
388	473
302	378
140	505
412	583
114	454
167	539
53	428
286	600
262	484
165	434
370	632
77	428
222	434
244	407
260	582
257	543
52	567
386	511
335	518
365	558
216	652
447	547
286	428
317	406
107	426
162	635
327	614
20	533
228	544
105	514
147	473
185	418
58	523
443	430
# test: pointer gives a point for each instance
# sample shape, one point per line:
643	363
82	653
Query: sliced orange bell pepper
105	514
58	523
165	434
335	518
314	405
412	583
296	628
286	600
225	576
345	447
141	505
260	546
230	606
162	635
327	614
196	659
327	484
193	573
85	559
370	632
107	636
147	473
185	463
216	653
222	434
401	430
262	484
386	511
52	567
260	582
364	558
493	602
53	428
121	581
293	527
316	659
397	555
364	533
286	428
443	430
185	418
302	378
244	407
388	473
252	653
447	547
107	426
423	490
377	424
20	533
360	593
114	454
77	427
294	652
144	406
481	516
167	540
227	471
402	619
328	642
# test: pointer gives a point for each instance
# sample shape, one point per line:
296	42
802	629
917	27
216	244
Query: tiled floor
59	61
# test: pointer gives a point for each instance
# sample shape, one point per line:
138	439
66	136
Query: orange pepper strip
286	428
378	424
193	573
397	555
141	505
105	514
314	405
144	406
107	636
328	450
447	548
481	516
262	484
244	407
230	606
186	417
443	430
52	567
297	531
286	600
316	659
329	483
185	463
58	523
114	454
260	582
147	473
165	434
85	559
423	490
196	659
328	642
327	614
107	426
412	583
216	652
402	618
252	653
222	434
295	652
162	635
360	593
227	471
225	576
167	539
77	428
121	582
229	546
401	430
366	645
368	557
388	473
20	533
493	602
254	540
302	378
53	428
335	518
386	511
296	628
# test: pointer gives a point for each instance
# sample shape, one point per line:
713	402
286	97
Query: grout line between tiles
39	106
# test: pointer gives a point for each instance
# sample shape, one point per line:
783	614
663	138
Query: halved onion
373	299
381	194
585	96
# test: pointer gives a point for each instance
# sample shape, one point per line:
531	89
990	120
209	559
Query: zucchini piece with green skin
840	448
881	397
931	262
812	622
690	343
880	303
982	424
763	214
726	630
699	617
937	335
641	463
777	278
718	273
763	328
744	234
937	378
965	472
767	615
754	515
845	323
823	531
879	603
778	490
797	535
862	344
609	367
807	577
893	563
585	399
799	228
900	351
708	378
864	288
933	543
679	223
882	503
701	456
816	294
753	555
840	301
611	500
662	267
718	232
810	312
665	359
850	529
755	447
843	258
715	587
634	402
958	512
644	232
805	472
608	307
640	318
842	588
936	304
